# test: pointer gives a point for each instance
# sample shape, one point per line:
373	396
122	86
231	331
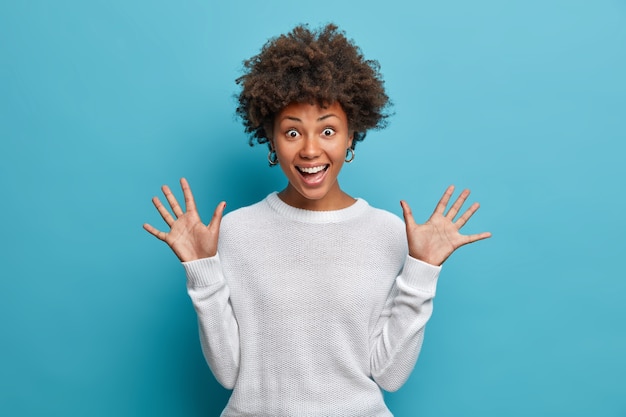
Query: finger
216	220
190	202
443	203
178	211
154	232
478	236
467	215
163	211
407	213
454	210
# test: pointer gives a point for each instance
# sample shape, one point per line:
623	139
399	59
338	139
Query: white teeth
312	170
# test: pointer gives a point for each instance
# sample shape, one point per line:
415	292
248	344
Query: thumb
216	220
407	213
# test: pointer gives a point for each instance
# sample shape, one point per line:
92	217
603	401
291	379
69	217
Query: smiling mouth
312	170
313	175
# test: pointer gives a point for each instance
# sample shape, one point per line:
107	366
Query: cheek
339	148
284	151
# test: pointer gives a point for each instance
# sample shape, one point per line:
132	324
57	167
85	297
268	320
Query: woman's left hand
434	241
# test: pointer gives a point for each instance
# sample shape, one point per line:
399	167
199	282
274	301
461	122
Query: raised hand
188	237
434	241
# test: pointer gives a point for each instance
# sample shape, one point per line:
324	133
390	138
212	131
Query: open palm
434	241
188	237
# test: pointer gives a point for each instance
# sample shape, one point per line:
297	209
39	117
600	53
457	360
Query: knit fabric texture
311	313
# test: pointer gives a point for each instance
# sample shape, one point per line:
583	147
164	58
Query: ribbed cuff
420	275
203	272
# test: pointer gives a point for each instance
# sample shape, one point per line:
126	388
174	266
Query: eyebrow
320	119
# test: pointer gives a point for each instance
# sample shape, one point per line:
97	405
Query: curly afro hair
313	66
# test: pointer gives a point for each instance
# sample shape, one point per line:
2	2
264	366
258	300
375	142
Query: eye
328	132
292	133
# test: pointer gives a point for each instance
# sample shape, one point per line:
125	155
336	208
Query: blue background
102	102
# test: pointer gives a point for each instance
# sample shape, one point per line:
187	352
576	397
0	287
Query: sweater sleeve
398	334
218	328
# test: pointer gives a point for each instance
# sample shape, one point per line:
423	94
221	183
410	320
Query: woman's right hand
188	237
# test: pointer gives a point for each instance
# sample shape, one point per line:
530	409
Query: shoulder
245	215
381	232
383	224
383	218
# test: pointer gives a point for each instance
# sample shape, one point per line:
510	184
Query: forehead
311	112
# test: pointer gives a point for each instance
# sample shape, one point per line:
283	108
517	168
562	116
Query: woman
311	301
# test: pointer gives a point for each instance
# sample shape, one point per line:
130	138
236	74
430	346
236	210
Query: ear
350	139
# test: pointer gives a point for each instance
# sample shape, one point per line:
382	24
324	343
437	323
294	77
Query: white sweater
307	313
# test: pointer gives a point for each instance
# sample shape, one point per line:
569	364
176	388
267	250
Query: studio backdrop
523	102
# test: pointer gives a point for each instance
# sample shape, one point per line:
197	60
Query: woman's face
311	144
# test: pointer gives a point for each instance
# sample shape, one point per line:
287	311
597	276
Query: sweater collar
311	216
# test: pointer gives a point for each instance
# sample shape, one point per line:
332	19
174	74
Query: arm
398	335
196	246
217	325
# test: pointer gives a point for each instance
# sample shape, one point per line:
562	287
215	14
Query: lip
313	180
309	167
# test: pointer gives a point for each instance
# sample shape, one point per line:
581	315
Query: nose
310	148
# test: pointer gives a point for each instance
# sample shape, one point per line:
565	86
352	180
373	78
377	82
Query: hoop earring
272	158
349	152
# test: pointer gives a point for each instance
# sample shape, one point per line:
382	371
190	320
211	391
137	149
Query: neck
335	200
